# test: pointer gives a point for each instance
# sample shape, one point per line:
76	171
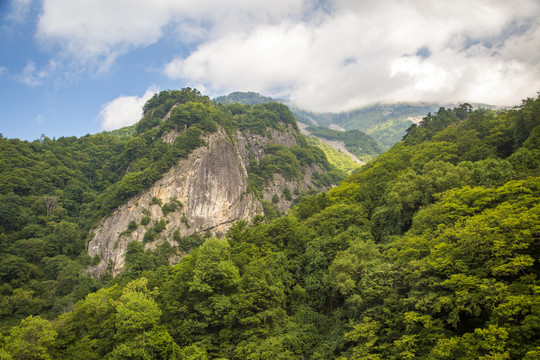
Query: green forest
430	251
335	157
385	123
53	191
358	143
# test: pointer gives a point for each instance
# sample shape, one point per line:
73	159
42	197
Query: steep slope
248	162
430	251
208	191
113	194
258	153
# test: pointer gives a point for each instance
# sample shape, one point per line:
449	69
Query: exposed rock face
212	186
253	144
278	184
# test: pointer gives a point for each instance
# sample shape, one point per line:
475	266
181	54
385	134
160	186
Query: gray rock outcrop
212	186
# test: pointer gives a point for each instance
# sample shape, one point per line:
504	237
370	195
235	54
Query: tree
136	311
463	110
31	339
50	203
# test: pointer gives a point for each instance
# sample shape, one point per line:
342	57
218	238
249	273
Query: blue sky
76	67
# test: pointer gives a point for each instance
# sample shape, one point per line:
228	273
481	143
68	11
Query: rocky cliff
251	145
206	192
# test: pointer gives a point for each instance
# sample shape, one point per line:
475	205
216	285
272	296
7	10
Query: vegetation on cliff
53	191
356	142
430	251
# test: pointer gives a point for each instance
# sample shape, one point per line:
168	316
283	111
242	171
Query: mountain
386	123
244	98
429	251
356	144
255	163
71	207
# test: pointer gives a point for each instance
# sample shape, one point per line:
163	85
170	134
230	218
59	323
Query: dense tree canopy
357	142
430	251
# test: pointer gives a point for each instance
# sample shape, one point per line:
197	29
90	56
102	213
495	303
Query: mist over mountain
385	122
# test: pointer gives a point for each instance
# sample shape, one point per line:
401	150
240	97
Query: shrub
149	236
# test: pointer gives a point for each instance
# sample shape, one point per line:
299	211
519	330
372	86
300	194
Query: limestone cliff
252	145
211	185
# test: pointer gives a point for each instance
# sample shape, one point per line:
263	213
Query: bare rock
213	188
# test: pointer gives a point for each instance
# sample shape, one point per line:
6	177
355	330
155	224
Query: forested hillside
244	98
385	124
358	143
54	191
430	251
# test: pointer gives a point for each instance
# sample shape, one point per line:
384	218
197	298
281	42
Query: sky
70	68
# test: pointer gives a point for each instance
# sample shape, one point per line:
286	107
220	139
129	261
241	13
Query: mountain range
386	123
214	230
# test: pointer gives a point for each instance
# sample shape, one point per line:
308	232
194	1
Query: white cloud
328	57
124	110
271	57
364	52
31	75
101	30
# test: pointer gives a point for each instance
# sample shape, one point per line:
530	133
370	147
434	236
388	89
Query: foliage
31	339
244	98
357	142
258	119
336	158
430	251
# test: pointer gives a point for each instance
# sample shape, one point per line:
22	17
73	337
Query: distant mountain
359	146
245	98
385	123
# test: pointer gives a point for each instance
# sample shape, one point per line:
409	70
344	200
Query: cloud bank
124	110
331	56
